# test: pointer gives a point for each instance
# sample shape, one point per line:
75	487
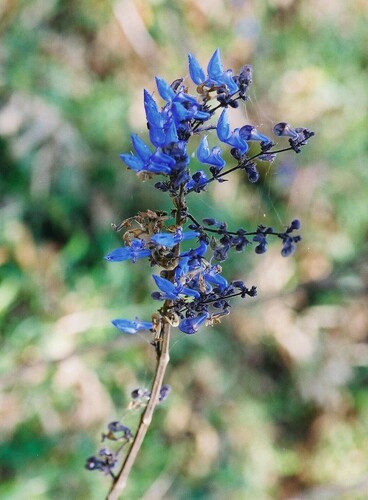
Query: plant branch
163	358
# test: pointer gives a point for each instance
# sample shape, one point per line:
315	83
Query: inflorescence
190	284
190	280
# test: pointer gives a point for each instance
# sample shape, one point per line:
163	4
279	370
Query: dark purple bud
94	463
210	222
137	393
295	225
235	153
252	172
164	392
220	253
288	248
284	129
261	248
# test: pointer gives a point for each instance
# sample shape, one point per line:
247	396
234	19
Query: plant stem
163	358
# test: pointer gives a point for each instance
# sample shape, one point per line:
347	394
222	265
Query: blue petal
237	142
284	129
165	239
195	70
215	157
152	113
160	163
190	292
171	134
203	150
180	112
158	168
166	286
223	127
144	325
127	253
189	235
195	252
132	161
164	89
186	99
140	254
141	148
216	279
227	79
250	133
202	249
119	254
131	327
157	135
214	68
125	325
182	269
171	239
137	244
191	325
225	135
204	155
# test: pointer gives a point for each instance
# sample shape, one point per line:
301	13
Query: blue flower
131	327
196	253
191	325
195	70
160	163
262	243
213	157
288	247
171	291
186	107
153	114
162	130
171	239
155	163
250	133
164	89
216	74
183	106
135	251
214	277
225	135
198	182
141	148
284	129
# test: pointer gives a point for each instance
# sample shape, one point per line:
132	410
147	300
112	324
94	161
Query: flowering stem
195	291
163	358
248	161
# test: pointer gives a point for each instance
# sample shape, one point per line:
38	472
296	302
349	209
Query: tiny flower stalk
190	288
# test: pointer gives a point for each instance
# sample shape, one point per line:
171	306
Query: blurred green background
274	402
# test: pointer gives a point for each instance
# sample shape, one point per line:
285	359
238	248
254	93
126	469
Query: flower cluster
106	459
188	277
190	282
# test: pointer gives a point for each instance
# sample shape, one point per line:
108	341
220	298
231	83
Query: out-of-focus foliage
273	404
